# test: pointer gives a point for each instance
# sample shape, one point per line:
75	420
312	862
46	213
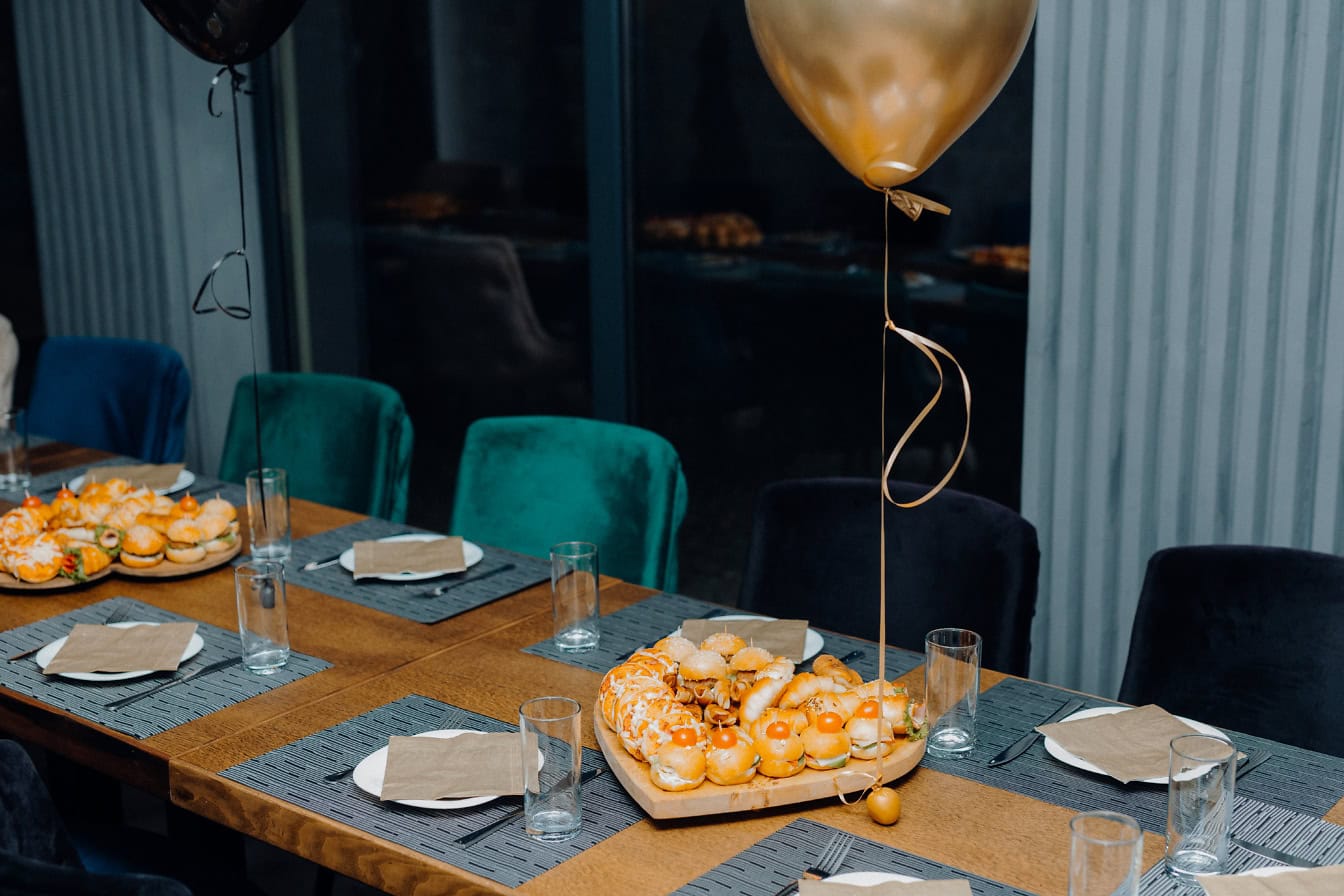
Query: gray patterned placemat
1294	778
407	599
780	858
1263	825
295	774
654	617
167	709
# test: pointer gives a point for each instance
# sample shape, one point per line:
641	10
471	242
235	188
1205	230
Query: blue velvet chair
345	441
957	560
526	483
1243	637
123	395
37	855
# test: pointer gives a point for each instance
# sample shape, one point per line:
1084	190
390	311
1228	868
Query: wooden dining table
476	661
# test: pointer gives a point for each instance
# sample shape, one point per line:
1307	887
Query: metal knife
847	658
435	592
185	676
1254	761
1029	738
1283	858
468	839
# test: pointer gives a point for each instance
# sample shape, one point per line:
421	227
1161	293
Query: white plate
48	653
812	642
1068	758
183	480
369	777
470	553
870	878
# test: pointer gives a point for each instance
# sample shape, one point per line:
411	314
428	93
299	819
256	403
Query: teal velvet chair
344	441
526	483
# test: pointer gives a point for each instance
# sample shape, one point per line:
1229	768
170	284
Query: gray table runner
1264	825
661	614
780	858
1294	778
405	599
174	706
295	774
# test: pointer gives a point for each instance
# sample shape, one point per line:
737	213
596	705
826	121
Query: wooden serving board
758	793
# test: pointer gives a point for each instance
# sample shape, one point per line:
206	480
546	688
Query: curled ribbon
911	205
244	311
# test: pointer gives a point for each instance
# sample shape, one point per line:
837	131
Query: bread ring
805	685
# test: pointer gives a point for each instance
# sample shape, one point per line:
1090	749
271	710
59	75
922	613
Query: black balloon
225	32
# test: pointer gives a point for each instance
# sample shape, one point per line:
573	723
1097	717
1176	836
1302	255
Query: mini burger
184	542
142	547
676	647
731	758
781	751
724	643
825	743
216	534
870	735
217	506
744	665
679	764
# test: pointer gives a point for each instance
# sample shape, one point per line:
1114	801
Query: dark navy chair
1243	637
957	560
128	396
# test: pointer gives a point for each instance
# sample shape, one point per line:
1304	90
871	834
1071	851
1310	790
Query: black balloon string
243	311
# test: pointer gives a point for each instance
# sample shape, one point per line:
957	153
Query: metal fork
830	861
118	614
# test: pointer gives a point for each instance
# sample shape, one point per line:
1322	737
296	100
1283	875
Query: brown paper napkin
782	637
153	476
890	888
1129	746
104	648
1327	881
435	768
381	558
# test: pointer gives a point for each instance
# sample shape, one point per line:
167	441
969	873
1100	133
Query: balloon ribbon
243	311
911	205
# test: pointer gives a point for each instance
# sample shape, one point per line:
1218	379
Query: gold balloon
887	85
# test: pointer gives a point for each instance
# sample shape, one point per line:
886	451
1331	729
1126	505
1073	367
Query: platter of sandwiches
723	726
112	527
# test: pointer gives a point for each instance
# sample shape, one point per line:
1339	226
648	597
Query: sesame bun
159	522
216	531
188	554
142	547
864	740
675	767
751	659
704	665
185	531
723	643
217	506
735	764
676	647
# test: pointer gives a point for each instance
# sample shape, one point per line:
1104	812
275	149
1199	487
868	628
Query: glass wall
755	309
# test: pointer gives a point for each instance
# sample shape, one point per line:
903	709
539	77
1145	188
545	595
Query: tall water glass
1200	791
268	513
951	690
1105	855
574	596
552	765
14	472
262	624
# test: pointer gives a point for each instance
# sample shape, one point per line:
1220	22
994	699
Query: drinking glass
262	624
951	689
268	513
574	598
1105	855
14	472
552	765
1200	791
